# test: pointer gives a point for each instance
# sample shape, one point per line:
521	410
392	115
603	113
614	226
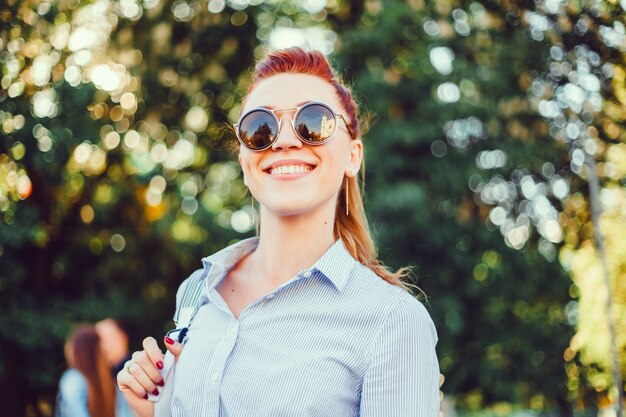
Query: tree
116	174
115	179
448	85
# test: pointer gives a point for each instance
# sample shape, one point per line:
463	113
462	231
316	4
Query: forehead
107	327
289	90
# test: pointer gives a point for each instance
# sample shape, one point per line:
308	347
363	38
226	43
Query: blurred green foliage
117	175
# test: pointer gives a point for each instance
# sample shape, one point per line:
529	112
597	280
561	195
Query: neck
289	244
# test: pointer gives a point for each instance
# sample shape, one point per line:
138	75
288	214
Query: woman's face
318	170
69	353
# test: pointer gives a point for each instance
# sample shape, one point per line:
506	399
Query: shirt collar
230	255
335	264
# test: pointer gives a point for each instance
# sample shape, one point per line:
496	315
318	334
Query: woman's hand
141	375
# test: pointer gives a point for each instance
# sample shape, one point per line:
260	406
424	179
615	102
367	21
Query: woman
86	388
302	320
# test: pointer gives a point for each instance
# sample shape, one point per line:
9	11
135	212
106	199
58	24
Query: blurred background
489	121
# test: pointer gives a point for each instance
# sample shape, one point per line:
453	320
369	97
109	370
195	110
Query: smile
289	169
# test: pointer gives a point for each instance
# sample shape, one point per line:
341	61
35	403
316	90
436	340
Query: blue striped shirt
334	341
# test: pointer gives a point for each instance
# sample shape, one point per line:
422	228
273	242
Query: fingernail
159	364
155	392
145	397
169	340
161	383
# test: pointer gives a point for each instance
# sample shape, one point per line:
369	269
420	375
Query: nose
287	137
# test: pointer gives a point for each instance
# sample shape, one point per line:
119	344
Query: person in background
114	344
85	388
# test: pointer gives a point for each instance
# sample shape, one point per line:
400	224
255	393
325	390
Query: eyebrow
302	103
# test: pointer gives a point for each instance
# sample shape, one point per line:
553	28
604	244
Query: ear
355	158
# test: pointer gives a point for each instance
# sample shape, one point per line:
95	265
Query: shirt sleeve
73	393
402	379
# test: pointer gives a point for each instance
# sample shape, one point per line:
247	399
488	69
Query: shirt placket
217	364
216	368
227	343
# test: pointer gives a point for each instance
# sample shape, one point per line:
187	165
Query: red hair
86	356
295	60
353	229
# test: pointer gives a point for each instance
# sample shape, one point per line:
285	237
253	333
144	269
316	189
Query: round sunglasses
314	123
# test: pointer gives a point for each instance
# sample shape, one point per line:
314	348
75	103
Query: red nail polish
159	364
169	340
145	397
155	392
161	383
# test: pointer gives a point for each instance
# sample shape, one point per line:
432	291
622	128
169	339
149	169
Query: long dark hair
85	355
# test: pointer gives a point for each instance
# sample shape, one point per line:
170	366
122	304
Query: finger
145	371
136	400
441	381
128	384
153	351
173	346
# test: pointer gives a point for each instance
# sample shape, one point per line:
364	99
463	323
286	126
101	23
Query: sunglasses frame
279	121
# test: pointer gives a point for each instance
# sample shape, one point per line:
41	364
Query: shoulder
188	294
396	307
226	257
190	290
410	315
193	280
72	383
364	282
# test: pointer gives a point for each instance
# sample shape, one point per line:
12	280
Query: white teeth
289	169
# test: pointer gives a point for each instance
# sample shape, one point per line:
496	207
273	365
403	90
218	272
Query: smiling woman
302	320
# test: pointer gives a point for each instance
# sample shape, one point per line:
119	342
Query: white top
336	340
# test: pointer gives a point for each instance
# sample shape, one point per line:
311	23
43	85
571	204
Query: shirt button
214	377
307	274
232	330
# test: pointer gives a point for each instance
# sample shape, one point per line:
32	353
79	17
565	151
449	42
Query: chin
289	211
291	208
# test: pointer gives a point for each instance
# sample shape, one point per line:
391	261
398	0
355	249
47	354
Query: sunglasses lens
315	123
257	129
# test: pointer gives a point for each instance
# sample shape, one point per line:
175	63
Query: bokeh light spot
87	214
118	243
197	119
241	221
448	92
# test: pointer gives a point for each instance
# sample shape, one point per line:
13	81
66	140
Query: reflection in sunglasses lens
315	123
257	129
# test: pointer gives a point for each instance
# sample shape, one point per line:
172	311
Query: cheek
340	158
248	163
245	162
